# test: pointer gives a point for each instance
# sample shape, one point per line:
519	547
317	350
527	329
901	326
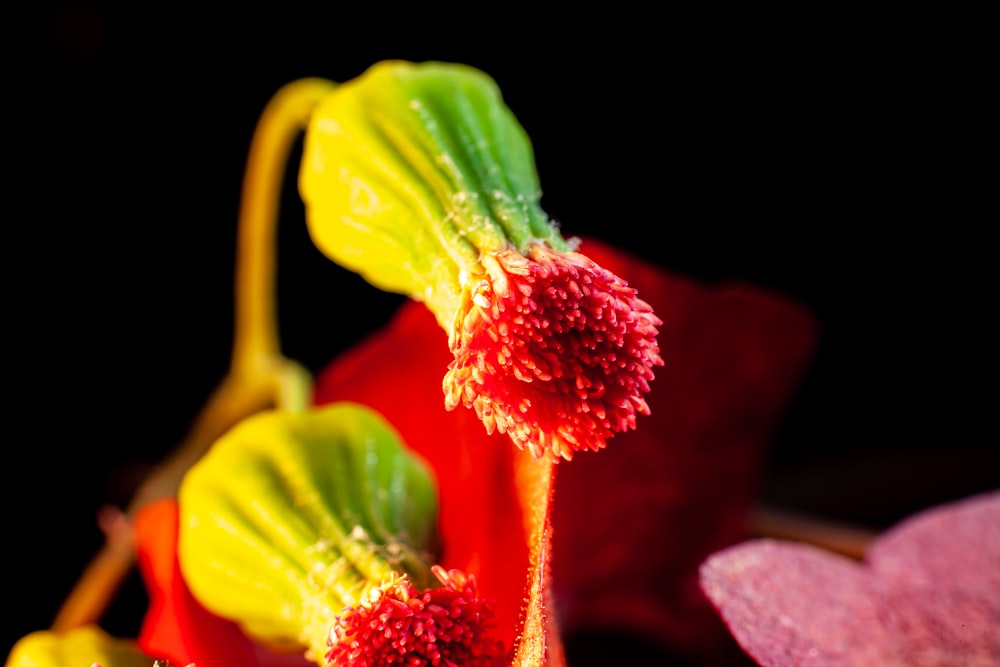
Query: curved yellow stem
255	344
259	376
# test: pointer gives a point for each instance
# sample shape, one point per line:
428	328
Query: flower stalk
259	375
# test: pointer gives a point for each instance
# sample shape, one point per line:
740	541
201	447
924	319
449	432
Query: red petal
451	624
494	498
176	627
634	521
555	351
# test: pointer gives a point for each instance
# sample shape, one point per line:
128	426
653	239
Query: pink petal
928	595
791	604
915	550
938	575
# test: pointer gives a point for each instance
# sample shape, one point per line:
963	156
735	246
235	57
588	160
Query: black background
842	160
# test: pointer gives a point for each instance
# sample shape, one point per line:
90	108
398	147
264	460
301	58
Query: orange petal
176	627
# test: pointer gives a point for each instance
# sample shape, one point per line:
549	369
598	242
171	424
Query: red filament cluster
448	626
554	350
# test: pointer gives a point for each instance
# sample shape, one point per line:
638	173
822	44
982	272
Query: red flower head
418	177
450	625
553	350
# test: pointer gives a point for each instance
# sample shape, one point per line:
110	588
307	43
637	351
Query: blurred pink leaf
926	595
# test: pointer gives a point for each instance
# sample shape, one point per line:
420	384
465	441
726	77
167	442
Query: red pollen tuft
441	627
553	350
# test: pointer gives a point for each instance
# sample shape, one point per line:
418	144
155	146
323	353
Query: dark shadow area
840	167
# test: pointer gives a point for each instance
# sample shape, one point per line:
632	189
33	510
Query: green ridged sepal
290	517
411	171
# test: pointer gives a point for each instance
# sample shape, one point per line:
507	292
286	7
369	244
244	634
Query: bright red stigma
442	627
554	350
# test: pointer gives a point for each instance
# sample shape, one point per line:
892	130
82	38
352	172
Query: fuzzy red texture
448	626
554	350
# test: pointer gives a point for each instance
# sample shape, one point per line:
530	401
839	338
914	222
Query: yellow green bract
412	171
292	516
80	647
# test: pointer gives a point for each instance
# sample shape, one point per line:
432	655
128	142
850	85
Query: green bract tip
411	172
